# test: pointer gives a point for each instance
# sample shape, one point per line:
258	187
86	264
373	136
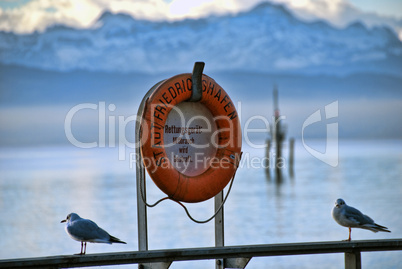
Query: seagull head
71	217
340	203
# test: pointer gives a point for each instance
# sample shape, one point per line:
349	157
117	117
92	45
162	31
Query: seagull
85	230
350	217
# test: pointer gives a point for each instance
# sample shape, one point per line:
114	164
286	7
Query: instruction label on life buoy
190	138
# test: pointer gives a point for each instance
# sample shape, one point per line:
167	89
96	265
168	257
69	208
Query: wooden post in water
267	161
291	156
279	136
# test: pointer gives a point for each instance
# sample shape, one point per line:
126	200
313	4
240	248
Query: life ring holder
231	155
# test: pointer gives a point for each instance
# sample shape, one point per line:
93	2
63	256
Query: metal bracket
236	262
196	92
353	260
155	265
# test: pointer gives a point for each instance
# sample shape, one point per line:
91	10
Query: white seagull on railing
85	230
350	217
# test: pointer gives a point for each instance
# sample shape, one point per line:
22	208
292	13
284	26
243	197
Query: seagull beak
63	221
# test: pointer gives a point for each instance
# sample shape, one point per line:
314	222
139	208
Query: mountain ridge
268	38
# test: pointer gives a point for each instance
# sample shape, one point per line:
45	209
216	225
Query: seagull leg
82	243
350	231
85	249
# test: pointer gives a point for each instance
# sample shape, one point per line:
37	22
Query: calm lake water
40	186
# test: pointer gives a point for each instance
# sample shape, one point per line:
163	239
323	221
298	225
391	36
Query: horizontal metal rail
170	255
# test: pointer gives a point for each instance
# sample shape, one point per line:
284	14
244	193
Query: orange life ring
176	185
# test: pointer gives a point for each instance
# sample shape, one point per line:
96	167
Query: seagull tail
375	228
381	228
116	240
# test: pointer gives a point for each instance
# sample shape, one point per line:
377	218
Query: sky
27	16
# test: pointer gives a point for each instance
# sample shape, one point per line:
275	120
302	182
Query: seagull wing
359	220
356	217
87	230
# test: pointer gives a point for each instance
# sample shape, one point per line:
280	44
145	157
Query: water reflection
279	168
279	180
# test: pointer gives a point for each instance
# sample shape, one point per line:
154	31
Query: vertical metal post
141	209
219	227
196	96
140	178
353	260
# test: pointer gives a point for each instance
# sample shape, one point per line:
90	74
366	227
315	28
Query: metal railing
232	256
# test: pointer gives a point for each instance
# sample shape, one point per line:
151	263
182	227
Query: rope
216	212
184	207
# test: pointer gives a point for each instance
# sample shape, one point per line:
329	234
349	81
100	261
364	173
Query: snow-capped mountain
268	38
